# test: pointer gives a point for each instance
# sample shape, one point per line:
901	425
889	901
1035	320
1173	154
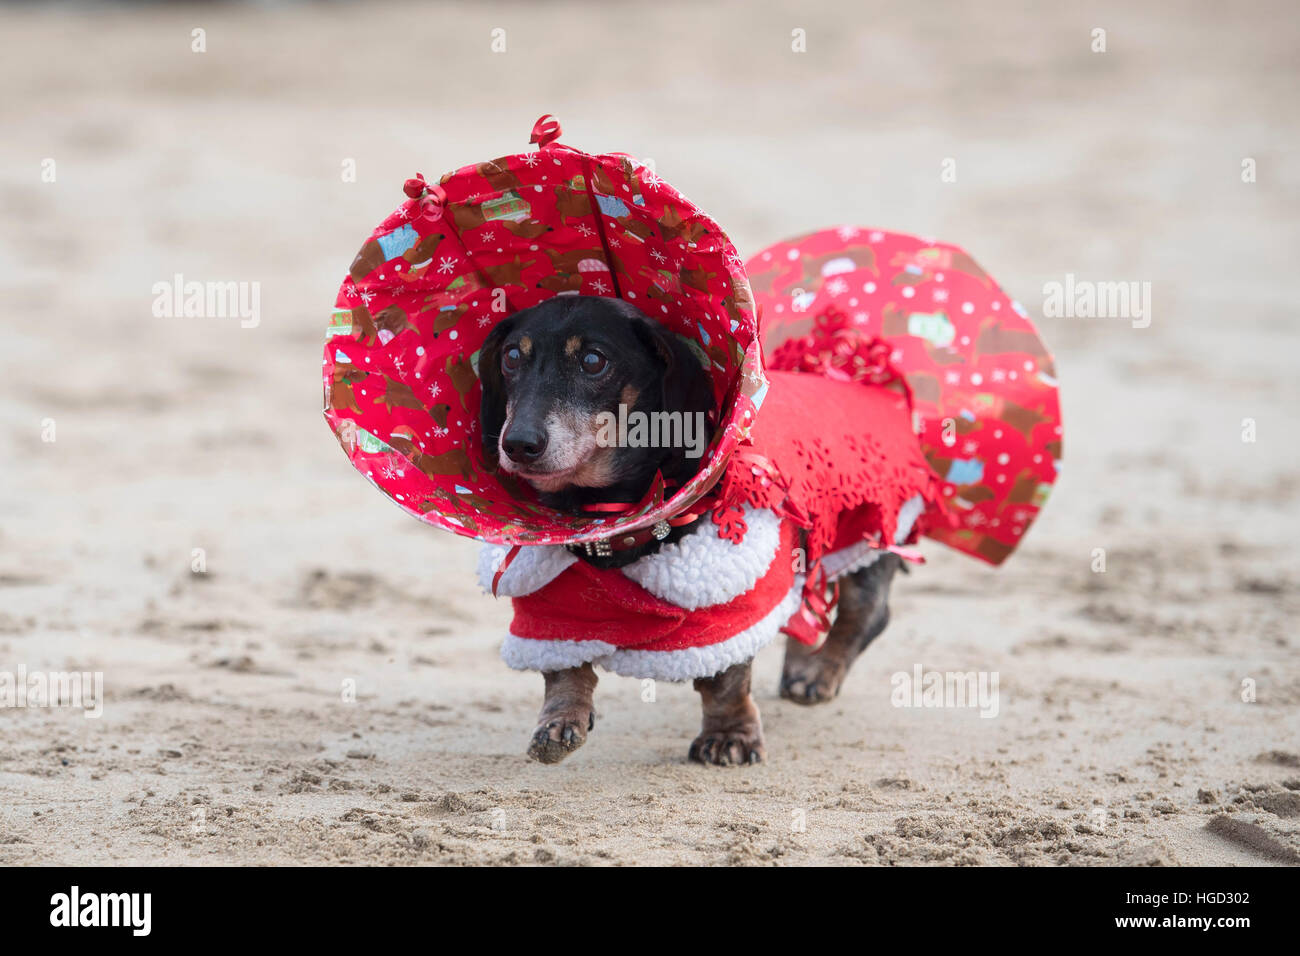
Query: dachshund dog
548	374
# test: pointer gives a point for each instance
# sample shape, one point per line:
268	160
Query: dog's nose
524	444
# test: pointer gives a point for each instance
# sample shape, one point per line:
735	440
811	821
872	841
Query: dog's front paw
809	678
815	686
558	736
729	748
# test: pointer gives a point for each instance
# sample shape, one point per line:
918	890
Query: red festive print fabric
401	386
860	303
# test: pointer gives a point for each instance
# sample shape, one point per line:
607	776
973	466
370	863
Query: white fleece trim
703	569
531	654
534	567
861	554
692	662
688	663
907	515
847	560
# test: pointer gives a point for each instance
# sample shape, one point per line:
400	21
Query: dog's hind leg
567	714
732	732
815	676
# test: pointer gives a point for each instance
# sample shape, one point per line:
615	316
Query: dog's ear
492	410
687	387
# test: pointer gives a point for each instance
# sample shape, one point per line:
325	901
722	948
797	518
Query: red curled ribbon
813	618
505	563
545	131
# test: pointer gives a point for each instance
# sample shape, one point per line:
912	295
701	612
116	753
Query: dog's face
554	378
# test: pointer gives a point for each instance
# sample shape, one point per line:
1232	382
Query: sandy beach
175	514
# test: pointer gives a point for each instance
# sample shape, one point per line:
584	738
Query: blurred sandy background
224	738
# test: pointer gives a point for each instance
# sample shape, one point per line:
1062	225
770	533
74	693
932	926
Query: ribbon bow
433	195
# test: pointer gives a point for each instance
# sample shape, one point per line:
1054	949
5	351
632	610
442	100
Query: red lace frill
834	452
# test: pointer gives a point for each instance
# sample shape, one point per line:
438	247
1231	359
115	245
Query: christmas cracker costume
903	394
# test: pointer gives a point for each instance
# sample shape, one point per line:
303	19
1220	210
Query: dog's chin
551	482
593	470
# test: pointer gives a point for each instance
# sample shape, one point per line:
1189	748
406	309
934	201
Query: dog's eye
593	363
510	359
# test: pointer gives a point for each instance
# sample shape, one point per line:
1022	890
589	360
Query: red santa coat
832	477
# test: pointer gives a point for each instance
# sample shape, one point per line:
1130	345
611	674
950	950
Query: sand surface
1122	730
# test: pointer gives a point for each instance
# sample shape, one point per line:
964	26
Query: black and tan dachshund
551	375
